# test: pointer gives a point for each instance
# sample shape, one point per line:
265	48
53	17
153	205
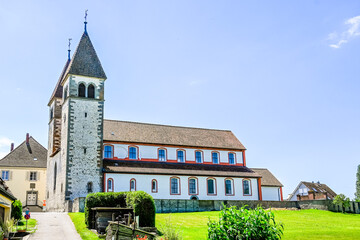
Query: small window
246	187
133	153
154	186
162	155
198	157
192	186
55	174
133	184
211	188
180	156
86	114
229	187
35	159
51	113
110	185
81	91
84	150
231	158
174	186
89	187
108	152
91	91
5	175
65	92
215	157
33	176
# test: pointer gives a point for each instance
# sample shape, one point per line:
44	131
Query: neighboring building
89	154
24	171
6	199
312	191
271	188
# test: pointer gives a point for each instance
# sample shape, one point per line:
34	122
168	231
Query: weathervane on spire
85	19
69	50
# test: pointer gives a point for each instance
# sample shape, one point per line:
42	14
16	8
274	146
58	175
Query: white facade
146	152
302	190
143	182
271	193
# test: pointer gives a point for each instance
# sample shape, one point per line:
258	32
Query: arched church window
89	187
91	91
55	172
81	92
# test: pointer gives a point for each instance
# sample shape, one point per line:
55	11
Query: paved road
54	226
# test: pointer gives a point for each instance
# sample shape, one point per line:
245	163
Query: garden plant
343	201
243	223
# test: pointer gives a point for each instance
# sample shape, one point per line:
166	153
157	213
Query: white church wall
143	183
151	153
270	193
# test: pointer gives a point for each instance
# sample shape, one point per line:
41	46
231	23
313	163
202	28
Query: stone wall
171	205
78	204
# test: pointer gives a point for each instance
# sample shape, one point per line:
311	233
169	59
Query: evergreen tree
357	193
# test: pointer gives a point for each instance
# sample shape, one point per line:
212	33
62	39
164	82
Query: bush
142	203
242	223
343	201
170	232
16	210
144	207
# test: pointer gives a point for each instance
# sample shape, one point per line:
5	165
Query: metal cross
85	14
69	42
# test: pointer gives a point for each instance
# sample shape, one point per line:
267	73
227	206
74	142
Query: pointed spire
85	30
85	61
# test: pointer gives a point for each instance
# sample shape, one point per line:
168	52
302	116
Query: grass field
304	224
79	222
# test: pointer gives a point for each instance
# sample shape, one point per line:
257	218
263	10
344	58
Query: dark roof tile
22	157
122	131
85	61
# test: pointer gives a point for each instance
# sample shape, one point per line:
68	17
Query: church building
87	153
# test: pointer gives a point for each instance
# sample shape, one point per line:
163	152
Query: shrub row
142	203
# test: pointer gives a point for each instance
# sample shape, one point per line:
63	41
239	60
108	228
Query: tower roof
85	61
58	88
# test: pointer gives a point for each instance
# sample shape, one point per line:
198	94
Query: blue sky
282	75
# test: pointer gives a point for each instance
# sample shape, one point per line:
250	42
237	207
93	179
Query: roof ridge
155	124
23	142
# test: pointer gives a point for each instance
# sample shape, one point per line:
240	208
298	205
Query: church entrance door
31	198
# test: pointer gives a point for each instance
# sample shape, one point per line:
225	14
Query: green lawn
31	225
79	222
304	224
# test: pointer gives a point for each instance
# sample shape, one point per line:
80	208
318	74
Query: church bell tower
75	168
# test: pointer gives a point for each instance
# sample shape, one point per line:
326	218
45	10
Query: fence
172	205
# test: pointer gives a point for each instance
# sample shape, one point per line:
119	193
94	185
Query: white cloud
4	146
4	141
353	30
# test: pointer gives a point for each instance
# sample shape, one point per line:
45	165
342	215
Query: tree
357	193
16	210
343	201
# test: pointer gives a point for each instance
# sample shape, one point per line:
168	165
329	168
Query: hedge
142	203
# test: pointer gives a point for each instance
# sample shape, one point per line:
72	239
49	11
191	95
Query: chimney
12	147
28	143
